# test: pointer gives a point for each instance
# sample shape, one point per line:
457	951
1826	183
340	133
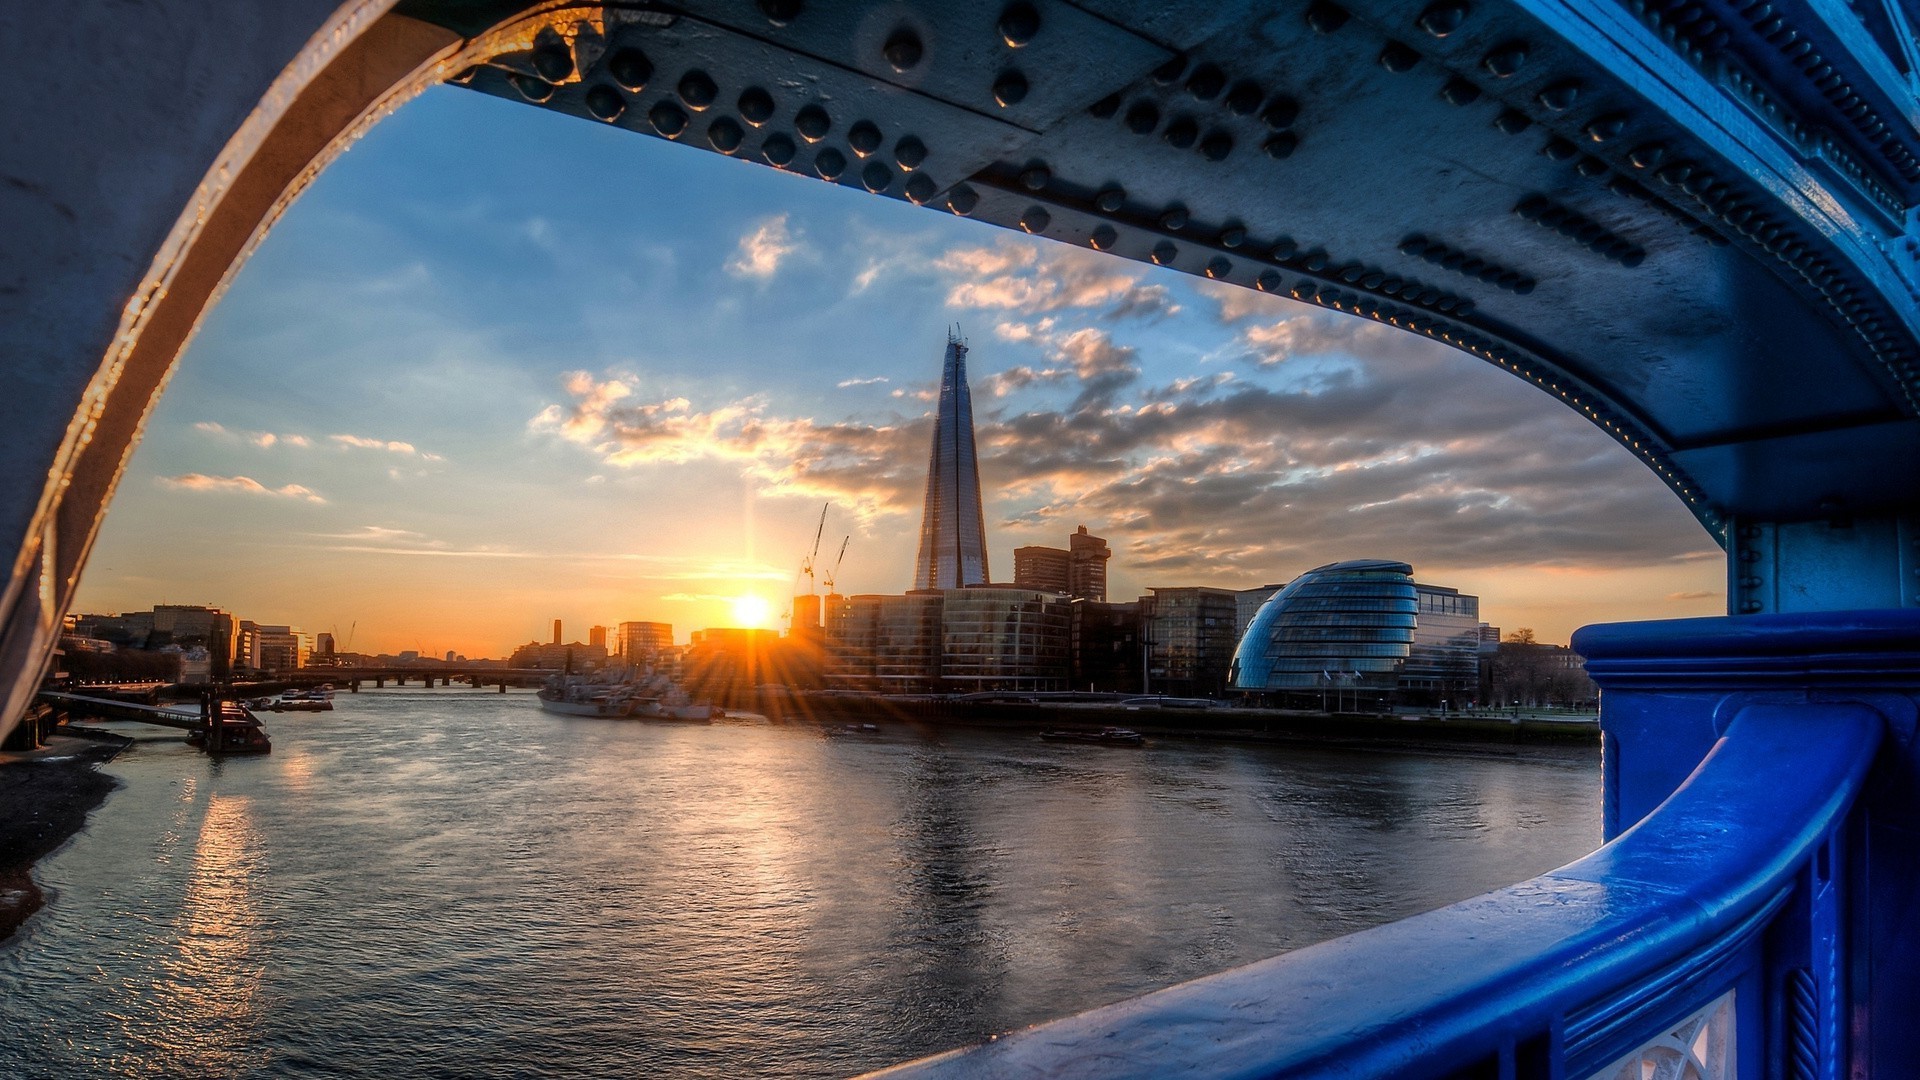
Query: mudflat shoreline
45	797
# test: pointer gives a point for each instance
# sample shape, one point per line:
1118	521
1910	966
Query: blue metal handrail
1556	976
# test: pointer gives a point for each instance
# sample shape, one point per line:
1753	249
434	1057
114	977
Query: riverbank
47	795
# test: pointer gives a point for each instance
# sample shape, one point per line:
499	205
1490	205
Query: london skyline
379	426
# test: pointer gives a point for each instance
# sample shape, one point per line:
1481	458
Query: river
453	883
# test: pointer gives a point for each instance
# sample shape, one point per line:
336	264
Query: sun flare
752	612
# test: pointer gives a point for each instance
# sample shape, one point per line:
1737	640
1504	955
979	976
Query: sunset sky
500	366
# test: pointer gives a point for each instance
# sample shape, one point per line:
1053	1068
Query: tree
1522	636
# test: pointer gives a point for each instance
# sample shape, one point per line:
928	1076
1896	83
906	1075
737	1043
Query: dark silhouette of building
1079	570
953	530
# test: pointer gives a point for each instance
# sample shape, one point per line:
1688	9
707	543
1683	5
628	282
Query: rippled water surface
453	883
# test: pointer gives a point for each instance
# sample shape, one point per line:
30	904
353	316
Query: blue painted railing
1712	927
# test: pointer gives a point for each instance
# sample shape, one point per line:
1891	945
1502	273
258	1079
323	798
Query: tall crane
835	572
806	565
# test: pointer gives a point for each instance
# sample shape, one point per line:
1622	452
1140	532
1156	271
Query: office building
643	642
953	531
1190	640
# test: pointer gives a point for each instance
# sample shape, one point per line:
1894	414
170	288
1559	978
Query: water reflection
429	882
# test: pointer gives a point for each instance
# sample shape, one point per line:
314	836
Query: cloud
873	468
844	383
1018	276
762	250
391	446
262	439
1238	302
238	485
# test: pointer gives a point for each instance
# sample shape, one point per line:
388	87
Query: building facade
1045	568
1190	640
1078	570
271	648
642	642
1346	624
950	641
953	530
1444	664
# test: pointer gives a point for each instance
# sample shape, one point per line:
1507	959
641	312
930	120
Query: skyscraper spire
953	531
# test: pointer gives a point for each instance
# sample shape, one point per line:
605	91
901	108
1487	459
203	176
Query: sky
499	366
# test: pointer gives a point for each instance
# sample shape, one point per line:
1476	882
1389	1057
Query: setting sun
752	612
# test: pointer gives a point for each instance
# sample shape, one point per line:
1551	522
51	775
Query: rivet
1244	97
697	90
1559	149
1110	199
1532	207
1506	59
1216	146
630	68
876	177
830	163
532	89
1443	18
606	103
667	118
724	134
552	61
465	75
1281	145
1105	107
1284	250
1316	261
1174	219
864	137
1206	82
1218	267
1018	23
909	152
780	12
1167	73
1326	17
1181	133
1103	238
1268	281
1513	121
1460	92
1397	57
1590	167
1233	236
1648	156
756	106
902	49
812	122
1560	96
920	188
1036	219
1010	88
1415	245
961	200
777	149
1281	112
1142	118
1035	178
1164	252
1600	129
1351	273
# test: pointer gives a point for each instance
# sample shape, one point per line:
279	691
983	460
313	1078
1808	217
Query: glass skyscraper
953	530
1347	623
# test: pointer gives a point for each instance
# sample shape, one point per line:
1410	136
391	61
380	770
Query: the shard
953	531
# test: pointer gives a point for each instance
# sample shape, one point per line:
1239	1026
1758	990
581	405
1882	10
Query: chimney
556	631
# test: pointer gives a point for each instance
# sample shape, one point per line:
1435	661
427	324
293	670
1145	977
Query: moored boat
1112	736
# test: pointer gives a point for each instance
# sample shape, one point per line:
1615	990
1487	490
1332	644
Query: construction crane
835	572
806	565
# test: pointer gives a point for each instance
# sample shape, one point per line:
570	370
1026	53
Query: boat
570	695
238	732
1111	736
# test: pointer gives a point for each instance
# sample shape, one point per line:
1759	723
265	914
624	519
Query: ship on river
622	693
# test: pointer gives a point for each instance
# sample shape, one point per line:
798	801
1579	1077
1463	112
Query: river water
453	883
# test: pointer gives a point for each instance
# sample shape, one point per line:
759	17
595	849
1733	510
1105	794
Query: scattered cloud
844	383
391	446
763	249
262	439
1029	279
239	485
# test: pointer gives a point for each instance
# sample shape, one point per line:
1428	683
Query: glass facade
953	530
1190	636
1346	624
1004	639
1445	662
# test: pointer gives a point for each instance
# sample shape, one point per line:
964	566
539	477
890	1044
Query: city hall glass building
1350	623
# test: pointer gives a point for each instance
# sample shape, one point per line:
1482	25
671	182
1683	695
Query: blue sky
500	366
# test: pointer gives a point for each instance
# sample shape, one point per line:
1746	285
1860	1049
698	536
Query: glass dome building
1346	623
